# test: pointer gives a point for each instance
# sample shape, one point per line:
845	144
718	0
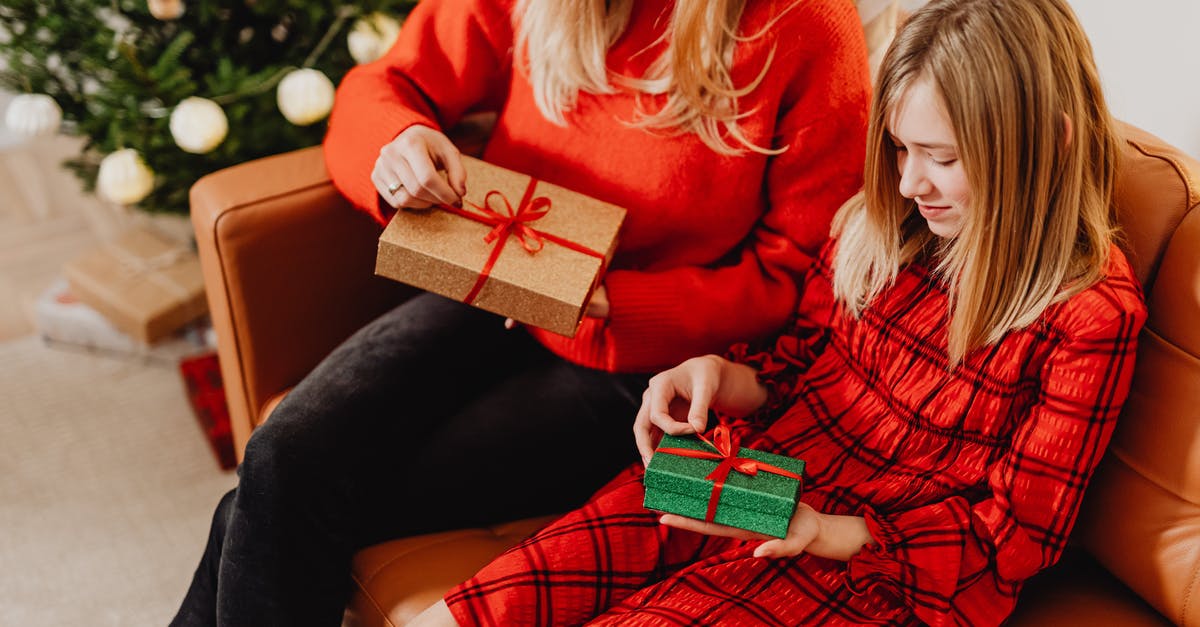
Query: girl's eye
947	162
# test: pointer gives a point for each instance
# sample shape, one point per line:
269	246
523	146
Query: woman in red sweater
952	376
731	130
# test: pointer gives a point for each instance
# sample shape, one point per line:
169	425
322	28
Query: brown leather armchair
288	267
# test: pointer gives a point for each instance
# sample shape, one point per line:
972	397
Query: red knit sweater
713	247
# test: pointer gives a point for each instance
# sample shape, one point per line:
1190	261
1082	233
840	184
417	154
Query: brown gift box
444	252
145	285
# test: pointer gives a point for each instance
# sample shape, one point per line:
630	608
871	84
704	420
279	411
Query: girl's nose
913	181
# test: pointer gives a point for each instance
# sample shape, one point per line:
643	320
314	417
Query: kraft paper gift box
751	490
63	321
144	284
518	247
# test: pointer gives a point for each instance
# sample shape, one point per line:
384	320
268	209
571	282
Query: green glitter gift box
752	490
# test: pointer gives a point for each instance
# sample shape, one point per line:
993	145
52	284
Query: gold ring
395	187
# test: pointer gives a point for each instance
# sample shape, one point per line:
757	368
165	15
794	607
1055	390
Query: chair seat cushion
395	580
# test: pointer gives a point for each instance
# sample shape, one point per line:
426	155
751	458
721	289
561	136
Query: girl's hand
823	535
406	172
803	529
676	401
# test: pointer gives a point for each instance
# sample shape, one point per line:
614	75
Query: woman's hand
823	535
406	172
598	306
677	401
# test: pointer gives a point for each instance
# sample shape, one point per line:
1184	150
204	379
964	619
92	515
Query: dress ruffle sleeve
780	362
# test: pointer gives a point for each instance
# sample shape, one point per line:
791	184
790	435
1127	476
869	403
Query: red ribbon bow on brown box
461	253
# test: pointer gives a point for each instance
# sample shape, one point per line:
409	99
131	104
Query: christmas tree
165	91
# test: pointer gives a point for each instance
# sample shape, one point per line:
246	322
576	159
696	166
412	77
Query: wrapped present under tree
62	320
144	284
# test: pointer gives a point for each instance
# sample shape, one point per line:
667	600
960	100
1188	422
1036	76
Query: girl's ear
1068	130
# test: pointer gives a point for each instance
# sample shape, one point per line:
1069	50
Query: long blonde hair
1039	226
567	43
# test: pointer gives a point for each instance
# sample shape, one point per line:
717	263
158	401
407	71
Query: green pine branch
117	71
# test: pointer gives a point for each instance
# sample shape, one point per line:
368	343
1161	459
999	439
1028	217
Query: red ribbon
513	223
726	446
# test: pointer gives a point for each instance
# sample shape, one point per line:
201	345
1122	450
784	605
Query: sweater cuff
352	145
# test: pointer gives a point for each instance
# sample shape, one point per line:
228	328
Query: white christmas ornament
304	96
198	125
371	36
33	114
124	178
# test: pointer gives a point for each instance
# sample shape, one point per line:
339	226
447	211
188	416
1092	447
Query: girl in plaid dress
951	378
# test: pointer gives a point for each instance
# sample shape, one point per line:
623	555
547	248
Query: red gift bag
206	392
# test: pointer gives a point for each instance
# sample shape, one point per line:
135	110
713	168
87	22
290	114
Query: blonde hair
567	42
1039	226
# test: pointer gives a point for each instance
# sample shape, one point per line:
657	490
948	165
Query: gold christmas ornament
166	9
198	125
371	36
304	96
124	178
33	114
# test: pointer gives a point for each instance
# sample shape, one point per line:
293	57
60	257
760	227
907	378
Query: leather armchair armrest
289	272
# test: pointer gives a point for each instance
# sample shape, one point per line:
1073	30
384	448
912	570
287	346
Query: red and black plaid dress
969	479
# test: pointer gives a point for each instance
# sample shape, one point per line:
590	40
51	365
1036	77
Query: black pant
432	417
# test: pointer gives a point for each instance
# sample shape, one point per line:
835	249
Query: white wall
1149	63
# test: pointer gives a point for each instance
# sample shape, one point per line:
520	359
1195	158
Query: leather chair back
1141	518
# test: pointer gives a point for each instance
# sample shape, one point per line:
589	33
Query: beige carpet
106	487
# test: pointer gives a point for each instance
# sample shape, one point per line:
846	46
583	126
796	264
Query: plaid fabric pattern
969	479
